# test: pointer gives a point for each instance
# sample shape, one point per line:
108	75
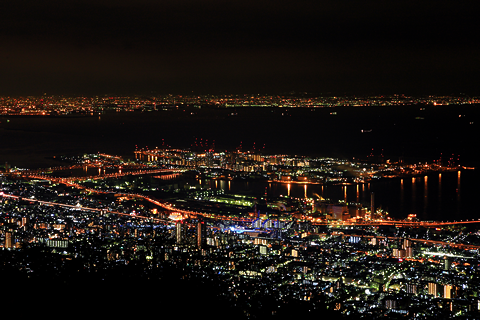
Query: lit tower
200	233
447	263
372	205
8	240
177	217
178	229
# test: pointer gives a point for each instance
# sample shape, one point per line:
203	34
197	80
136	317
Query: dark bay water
447	196
405	132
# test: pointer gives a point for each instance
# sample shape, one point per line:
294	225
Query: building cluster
262	269
284	168
62	105
188	191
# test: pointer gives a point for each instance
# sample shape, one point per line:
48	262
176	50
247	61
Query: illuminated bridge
395	223
96	177
192	214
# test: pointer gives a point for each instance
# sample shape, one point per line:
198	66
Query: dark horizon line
289	93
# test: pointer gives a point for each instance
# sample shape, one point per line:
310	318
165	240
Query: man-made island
264	254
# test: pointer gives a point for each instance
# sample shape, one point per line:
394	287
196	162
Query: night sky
179	47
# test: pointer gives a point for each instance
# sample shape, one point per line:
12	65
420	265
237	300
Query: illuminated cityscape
64	105
240	159
271	255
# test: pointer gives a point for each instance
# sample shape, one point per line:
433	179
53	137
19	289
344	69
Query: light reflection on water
432	197
436	196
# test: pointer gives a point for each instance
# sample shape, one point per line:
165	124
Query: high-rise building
406	246
209	158
295	253
450	291
433	289
178	229
24	223
200	234
391	304
263	249
9	240
409	252
399	253
412	288
372	205
447	264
